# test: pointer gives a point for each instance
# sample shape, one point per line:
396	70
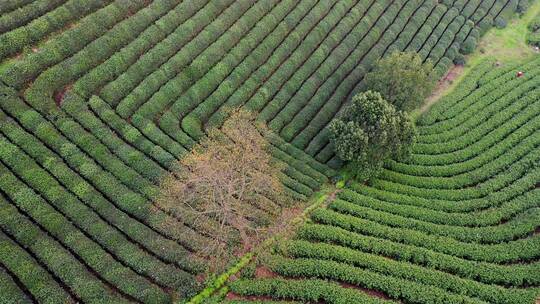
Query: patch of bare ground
264	272
536	231
370	292
333	195
200	278
59	95
442	86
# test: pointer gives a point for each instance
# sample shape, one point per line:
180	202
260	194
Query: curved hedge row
162	53
162	33
293	118
40	284
488	215
134	231
14	41
302	290
317	143
471	134
406	290
514	251
24	14
524	135
523	225
519	275
524	152
407	271
458	107
348	15
458	222
99	99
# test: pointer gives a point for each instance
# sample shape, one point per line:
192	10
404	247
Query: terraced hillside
100	98
457	223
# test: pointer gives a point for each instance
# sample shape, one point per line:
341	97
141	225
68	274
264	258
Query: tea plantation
99	99
457	223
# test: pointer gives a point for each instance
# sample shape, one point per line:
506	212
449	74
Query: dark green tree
369	131
402	78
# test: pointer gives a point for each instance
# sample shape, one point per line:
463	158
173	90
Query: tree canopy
229	184
369	131
402	78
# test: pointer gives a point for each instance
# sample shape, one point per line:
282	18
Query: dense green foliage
99	99
368	132
403	79
457	222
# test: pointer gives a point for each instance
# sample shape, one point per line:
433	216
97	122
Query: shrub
468	46
500	22
459	59
522	6
400	74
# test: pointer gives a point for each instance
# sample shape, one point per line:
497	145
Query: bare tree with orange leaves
232	180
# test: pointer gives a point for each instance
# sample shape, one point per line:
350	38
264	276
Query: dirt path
443	86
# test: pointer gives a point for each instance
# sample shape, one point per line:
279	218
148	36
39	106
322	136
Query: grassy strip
318	199
220	280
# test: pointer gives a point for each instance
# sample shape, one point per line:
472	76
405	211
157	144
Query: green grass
506	44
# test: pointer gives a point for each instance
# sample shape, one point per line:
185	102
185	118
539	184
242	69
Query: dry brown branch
229	179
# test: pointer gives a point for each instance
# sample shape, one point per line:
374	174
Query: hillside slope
99	99
456	223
